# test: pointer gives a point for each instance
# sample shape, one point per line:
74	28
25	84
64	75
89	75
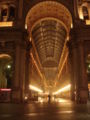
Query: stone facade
15	35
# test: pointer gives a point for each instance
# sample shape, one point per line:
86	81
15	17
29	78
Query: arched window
85	13
4	14
7	12
11	13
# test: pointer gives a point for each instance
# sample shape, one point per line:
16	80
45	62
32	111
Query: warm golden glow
40	99
34	47
61	100
89	86
35	89
63	65
51	9
71	25
30	39
81	16
26	26
66	88
5	55
87	22
25	97
81	13
6	24
35	63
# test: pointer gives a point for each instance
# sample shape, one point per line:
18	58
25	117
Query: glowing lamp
66	88
35	89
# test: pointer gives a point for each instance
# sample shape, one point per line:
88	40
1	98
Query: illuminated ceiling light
35	89
89	66
66	88
8	66
6	24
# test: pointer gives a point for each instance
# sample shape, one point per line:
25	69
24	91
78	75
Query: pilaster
28	68
79	77
19	73
83	89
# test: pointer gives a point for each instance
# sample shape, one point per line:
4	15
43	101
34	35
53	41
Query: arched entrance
49	24
88	73
6	74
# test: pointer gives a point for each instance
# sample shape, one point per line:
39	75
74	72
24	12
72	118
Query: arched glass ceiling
49	38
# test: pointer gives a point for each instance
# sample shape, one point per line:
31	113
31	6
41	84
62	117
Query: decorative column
75	71
22	71
83	89
19	73
71	72
27	71
16	81
73	54
28	68
79	77
20	20
76	8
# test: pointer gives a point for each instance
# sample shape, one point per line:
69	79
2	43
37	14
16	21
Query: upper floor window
11	13
84	9
85	13
7	13
4	14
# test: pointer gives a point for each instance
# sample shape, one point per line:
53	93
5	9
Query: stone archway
5	70
49	24
6	75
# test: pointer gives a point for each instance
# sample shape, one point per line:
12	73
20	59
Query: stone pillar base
16	96
82	97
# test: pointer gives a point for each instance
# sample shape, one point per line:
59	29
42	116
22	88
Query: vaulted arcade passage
48	24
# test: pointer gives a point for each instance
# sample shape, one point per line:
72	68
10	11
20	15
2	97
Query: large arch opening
49	24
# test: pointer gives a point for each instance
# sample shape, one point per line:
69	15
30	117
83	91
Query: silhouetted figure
8	81
49	98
